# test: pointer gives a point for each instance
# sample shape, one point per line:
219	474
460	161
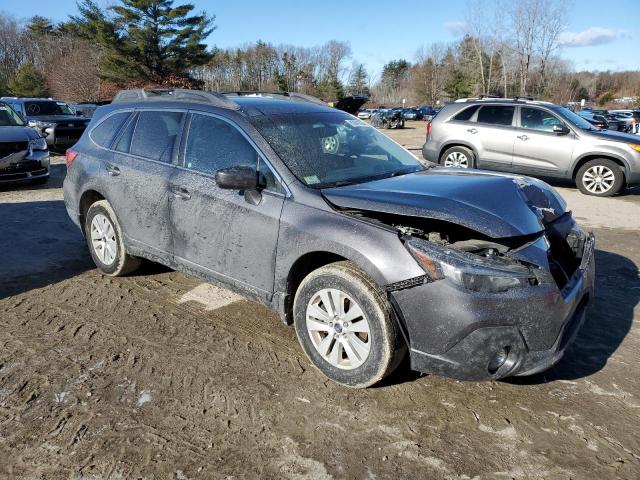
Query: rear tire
355	340
104	238
460	157
600	177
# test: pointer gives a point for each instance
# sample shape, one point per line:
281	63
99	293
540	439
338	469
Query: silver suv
535	138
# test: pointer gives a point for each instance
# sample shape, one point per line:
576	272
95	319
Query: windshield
574	118
9	118
333	149
41	108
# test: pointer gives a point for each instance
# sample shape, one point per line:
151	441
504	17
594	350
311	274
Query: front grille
21	167
8	148
11	176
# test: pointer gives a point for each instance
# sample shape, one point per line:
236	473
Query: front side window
213	144
496	115
103	134
8	117
324	149
537	119
155	135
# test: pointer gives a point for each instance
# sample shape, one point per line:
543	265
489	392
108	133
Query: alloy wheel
456	159
338	328
598	179
103	239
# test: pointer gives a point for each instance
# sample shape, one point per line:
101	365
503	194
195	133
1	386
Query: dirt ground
157	375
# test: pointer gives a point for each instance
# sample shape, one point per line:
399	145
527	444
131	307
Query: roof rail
486	95
530	99
145	94
291	95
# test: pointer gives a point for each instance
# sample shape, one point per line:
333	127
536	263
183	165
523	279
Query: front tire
344	324
600	177
104	238
460	157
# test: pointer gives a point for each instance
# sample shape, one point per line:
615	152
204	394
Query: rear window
466	114
496	115
155	135
107	129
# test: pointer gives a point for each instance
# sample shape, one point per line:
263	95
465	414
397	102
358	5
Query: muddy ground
160	376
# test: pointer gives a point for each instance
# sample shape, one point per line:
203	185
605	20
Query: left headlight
38	144
473	272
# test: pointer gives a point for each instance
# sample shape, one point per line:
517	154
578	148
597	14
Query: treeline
503	49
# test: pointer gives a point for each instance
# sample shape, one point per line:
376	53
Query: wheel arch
458	143
88	198
594	156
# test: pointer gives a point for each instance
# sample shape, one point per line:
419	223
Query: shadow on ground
39	245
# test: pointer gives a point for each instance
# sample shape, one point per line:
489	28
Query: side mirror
237	178
560	129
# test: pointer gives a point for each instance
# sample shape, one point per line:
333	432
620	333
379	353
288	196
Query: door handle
181	193
113	171
472	130
523	137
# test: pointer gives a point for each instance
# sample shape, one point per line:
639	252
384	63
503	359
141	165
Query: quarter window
466	114
155	135
496	115
107	129
213	144
537	119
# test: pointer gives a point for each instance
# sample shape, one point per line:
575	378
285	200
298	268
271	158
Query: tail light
70	156
429	125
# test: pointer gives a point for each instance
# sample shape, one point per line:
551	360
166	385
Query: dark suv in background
52	119
318	215
24	156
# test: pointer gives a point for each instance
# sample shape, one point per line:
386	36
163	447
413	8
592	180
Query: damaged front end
23	160
491	306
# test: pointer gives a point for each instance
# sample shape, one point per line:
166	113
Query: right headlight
473	272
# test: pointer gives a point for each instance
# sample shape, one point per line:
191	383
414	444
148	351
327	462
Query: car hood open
493	204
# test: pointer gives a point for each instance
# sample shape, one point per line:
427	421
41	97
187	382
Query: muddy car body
478	275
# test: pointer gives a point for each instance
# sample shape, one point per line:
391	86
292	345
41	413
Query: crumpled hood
493	204
17	134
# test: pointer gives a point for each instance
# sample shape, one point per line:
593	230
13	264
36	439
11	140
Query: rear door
140	169
538	149
218	232
494	136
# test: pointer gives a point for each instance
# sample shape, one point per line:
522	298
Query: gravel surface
158	375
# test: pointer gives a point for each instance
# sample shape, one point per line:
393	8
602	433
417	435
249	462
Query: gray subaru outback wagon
368	252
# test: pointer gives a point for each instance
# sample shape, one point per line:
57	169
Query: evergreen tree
394	72
458	85
358	81
40	26
28	82
145	40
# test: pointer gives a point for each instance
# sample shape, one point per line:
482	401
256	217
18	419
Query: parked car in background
368	252
412	114
52	119
634	115
624	124
599	121
534	138
364	113
428	113
24	156
388	118
84	109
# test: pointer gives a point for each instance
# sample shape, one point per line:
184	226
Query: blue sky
600	35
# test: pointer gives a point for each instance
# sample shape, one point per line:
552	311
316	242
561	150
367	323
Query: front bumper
456	333
33	166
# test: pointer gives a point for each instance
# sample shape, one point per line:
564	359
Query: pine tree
28	82
146	40
358	81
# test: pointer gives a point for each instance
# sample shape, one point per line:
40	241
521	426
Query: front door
223	232
538	149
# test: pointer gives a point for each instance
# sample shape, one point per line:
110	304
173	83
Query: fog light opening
498	360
